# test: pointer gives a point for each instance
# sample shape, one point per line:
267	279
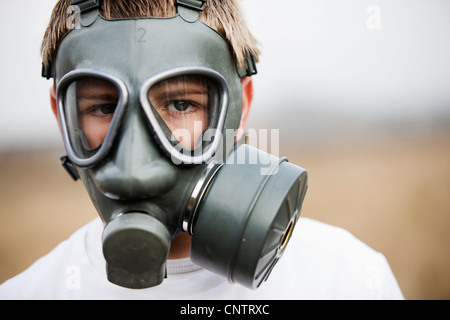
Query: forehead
136	49
182	81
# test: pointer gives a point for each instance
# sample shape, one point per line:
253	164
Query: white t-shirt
320	262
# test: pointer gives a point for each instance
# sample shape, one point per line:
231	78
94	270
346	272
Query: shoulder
316	236
328	262
50	275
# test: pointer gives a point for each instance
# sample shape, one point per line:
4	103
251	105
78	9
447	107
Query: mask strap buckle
47	71
251	66
251	69
86	5
189	10
198	5
70	168
87	11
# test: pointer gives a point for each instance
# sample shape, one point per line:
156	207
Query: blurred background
360	94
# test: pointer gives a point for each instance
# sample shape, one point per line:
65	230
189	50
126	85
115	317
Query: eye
180	105
104	109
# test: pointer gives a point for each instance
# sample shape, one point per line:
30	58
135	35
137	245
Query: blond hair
225	16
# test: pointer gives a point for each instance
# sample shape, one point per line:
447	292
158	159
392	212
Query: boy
145	92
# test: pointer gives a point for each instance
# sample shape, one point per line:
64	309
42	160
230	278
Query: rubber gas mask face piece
144	107
185	109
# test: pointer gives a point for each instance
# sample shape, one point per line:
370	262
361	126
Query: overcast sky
323	62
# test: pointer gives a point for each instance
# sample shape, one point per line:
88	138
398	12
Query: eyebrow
174	89
176	94
94	96
96	89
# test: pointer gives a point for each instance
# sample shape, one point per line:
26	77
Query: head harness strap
86	5
198	5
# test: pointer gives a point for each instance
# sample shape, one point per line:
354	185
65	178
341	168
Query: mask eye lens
90	105
185	106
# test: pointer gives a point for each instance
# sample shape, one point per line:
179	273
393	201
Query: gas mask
145	107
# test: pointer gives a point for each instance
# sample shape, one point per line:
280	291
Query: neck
181	246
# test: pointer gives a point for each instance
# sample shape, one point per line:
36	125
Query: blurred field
394	194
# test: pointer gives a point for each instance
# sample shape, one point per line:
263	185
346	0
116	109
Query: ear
247	97
54	104
53	101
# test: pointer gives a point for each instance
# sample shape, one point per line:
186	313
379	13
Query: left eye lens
185	107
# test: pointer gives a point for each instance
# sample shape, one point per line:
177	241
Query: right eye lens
89	107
